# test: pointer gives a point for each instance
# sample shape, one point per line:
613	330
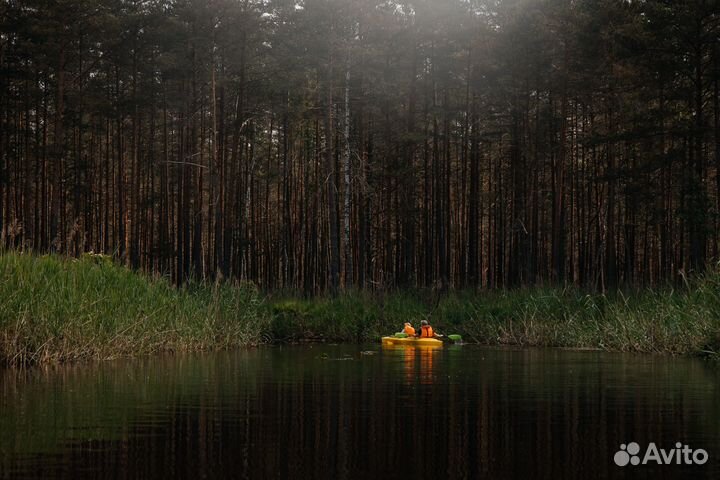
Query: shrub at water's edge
58	309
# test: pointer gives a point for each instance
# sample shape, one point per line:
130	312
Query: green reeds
54	309
662	321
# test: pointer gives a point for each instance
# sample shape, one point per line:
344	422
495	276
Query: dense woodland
318	145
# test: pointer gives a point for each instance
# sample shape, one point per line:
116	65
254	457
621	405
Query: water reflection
306	413
417	361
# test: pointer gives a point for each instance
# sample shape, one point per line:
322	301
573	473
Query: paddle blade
455	338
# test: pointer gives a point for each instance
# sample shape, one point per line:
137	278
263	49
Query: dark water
332	412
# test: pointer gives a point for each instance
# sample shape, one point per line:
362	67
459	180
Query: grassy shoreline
56	309
666	321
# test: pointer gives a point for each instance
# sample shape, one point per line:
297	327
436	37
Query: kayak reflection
418	361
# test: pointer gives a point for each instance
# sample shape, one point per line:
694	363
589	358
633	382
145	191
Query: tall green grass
662	321
58	309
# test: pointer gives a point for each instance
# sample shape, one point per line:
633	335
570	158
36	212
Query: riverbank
56	309
664	321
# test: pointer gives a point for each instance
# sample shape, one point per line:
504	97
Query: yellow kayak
412	342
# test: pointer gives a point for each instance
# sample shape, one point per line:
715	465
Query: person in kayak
409	330
426	331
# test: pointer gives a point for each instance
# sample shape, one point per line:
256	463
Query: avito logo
680	455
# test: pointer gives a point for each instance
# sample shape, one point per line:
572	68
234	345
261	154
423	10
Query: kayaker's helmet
424	322
408	324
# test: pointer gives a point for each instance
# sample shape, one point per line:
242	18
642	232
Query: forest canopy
324	144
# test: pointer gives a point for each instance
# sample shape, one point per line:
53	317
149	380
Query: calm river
361	412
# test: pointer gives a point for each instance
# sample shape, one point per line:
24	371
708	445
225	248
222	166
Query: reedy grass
55	309
653	321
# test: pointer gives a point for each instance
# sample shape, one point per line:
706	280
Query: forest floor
57	309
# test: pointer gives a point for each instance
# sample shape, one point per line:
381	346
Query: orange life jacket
426	331
410	331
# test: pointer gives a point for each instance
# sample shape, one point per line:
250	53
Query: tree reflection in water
300	412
